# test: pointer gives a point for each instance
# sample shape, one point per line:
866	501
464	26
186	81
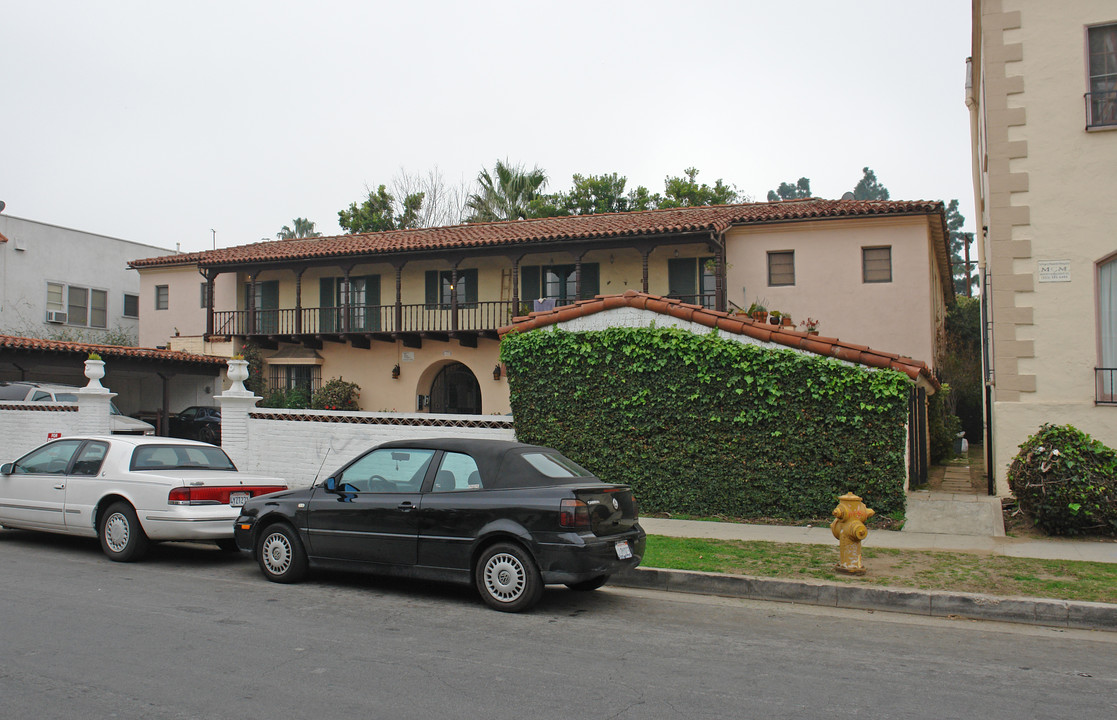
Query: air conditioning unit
56	316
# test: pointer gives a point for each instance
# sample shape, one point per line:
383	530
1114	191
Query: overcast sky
159	122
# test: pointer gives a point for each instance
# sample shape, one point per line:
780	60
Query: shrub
290	399
703	425
1066	482
336	394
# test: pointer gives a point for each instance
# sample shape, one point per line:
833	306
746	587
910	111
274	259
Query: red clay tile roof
711	219
11	342
737	324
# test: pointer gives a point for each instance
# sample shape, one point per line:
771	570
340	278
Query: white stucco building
58	282
1042	92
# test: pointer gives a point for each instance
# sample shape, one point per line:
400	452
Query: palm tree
303	229
506	194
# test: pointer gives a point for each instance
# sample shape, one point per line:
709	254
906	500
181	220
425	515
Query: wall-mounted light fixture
496	372
395	372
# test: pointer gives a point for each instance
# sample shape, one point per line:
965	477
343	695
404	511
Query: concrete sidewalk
936	520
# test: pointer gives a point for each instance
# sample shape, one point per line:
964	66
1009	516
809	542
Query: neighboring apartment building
412	316
55	281
1043	98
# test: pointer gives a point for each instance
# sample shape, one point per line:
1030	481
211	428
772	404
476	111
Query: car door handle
406	506
60	486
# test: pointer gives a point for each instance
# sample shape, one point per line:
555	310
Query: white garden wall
300	445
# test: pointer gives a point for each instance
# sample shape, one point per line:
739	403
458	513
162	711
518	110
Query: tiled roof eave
542	231
916	370
12	342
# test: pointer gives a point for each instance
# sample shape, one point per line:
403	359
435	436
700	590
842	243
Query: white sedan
127	490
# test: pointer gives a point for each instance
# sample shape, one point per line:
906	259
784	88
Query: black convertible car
504	516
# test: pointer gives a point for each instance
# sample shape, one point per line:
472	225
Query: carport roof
737	324
59	347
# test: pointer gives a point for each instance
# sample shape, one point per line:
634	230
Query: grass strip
926	570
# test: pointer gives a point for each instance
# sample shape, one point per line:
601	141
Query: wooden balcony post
578	277
399	298
515	286
299	301
454	298
210	275
645	251
346	301
251	302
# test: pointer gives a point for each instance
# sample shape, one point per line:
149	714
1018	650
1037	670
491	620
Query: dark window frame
865	260
162	297
780	280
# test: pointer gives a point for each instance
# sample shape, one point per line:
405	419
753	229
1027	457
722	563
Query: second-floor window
205	295
85	307
441	287
131	305
876	264
162	297
781	268
1107	330
1101	100
559	282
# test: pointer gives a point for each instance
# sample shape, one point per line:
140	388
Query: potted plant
758	312
810	325
775	317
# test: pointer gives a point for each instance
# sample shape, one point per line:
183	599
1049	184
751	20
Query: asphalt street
192	632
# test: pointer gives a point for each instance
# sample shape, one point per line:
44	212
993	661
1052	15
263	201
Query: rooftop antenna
848	196
214	238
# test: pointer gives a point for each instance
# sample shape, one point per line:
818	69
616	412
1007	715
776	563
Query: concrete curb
1030	611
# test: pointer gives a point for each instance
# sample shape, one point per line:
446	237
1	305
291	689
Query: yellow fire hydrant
849	528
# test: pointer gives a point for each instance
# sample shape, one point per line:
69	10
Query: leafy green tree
303	228
506	193
381	211
964	279
869	188
960	364
787	191
685	191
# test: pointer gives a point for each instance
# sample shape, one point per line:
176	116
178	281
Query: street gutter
933	603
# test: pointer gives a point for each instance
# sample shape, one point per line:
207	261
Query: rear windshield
540	468
554	465
180	457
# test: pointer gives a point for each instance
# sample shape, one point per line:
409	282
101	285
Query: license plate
238	499
624	552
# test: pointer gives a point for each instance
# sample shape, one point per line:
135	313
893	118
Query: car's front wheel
122	538
209	435
281	555
507	578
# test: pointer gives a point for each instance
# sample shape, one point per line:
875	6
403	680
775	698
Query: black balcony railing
1101	108
420	318
1105	380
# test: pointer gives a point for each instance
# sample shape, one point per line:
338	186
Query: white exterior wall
299	451
37	253
1045	185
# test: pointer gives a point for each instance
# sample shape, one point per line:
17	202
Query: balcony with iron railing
1105	382
1101	109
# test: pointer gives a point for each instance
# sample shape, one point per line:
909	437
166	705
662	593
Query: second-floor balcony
360	324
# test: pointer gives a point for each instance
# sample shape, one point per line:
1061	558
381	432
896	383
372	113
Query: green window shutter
372	299
470	278
681	276
327	316
591	280
432	289
529	283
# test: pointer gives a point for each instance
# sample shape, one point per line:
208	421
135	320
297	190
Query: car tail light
574	514
216	495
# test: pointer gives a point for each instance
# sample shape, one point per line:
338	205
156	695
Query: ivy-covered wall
703	425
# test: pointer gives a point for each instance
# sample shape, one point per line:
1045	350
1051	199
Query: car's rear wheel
588	585
122	537
507	578
281	555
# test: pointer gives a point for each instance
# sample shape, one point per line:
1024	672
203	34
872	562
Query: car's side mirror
330	483
7	468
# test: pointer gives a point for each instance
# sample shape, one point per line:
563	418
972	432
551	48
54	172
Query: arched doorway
455	390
